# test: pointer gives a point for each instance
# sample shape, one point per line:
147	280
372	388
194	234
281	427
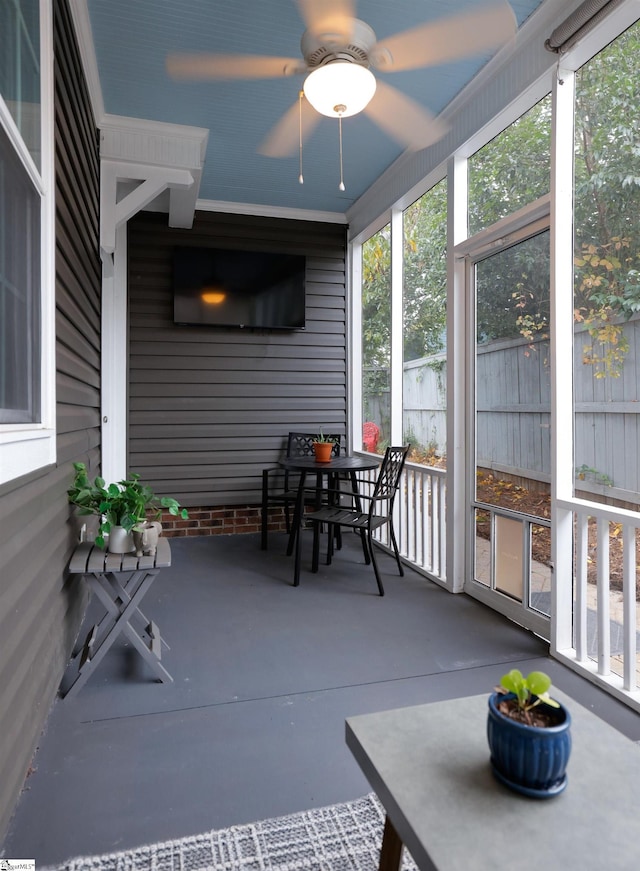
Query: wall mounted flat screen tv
252	289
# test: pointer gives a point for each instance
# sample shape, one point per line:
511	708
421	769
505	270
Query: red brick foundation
231	520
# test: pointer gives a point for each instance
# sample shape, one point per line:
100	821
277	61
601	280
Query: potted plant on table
529	735
122	507
322	447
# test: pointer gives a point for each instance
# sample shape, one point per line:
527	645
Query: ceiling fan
338	53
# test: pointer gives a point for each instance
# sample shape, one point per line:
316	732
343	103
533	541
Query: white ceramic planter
120	541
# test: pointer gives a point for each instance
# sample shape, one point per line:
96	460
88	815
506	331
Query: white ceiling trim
153	142
259	210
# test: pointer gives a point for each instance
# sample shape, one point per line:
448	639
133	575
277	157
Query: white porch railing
606	621
603	623
422	527
420	520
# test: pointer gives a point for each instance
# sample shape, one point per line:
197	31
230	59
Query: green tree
376	326
506	174
425	274
607	199
376	300
509	172
512	292
512	170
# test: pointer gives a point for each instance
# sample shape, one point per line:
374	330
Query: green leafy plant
529	691
584	470
322	439
125	503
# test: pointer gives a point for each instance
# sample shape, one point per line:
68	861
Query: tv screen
252	289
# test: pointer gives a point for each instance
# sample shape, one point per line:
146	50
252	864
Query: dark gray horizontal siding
193	411
40	607
321	323
87	351
151	393
39	613
78	370
230	383
163	355
208	407
254	233
271	440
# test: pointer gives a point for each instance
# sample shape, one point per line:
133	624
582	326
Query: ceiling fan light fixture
340	89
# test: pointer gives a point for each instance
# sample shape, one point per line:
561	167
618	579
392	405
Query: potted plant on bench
121	507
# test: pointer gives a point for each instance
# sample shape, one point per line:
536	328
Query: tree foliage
424	289
376	313
512	170
425	274
512	292
376	299
607	199
509	172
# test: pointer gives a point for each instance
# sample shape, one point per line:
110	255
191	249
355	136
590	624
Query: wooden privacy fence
513	411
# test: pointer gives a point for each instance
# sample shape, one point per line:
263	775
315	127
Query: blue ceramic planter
529	759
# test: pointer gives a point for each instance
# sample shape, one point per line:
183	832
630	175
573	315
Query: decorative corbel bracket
141	160
149	183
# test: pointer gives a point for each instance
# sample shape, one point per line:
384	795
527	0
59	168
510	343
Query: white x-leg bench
120	582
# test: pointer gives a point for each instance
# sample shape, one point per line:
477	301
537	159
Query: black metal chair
380	512
280	488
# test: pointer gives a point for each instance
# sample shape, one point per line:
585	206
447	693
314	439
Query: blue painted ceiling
133	38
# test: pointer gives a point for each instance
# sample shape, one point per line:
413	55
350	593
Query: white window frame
24	448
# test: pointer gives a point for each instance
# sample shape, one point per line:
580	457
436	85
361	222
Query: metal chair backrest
300	444
388	479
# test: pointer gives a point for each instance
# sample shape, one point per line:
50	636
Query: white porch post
397	352
562	464
114	360
115	212
126	187
354	405
457	391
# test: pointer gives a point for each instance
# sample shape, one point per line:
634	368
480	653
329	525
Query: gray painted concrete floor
264	677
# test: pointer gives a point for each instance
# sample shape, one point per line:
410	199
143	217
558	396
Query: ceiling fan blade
284	138
205	67
446	40
403	119
330	17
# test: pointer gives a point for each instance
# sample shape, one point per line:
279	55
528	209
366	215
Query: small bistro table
336	466
119	581
429	766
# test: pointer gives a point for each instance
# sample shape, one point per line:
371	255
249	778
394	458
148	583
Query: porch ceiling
132	41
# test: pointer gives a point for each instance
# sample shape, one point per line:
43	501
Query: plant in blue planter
529	735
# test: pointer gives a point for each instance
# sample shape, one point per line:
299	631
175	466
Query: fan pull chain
300	96
340	109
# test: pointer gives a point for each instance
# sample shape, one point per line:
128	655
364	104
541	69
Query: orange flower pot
322	450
